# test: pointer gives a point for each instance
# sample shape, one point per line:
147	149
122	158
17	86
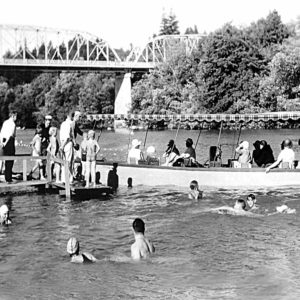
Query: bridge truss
59	49
160	48
43	47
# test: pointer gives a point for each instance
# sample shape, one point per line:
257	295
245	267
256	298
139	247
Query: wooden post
24	170
67	180
48	168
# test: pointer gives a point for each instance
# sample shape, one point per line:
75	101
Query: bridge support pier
123	96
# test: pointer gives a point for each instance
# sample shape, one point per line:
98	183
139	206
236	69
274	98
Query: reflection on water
200	255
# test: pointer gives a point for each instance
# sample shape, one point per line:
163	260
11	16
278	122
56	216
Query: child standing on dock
52	149
36	145
92	150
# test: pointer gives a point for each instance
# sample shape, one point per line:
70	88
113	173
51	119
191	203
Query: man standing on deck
67	139
7	142
45	139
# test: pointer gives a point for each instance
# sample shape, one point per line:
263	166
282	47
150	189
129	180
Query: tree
231	67
191	30
269	31
169	25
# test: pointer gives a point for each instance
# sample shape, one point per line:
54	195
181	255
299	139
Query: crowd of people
262	155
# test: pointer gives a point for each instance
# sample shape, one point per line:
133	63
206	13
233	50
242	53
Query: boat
214	175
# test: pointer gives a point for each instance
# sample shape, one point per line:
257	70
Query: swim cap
72	246
3	209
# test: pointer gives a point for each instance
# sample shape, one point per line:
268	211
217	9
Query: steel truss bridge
40	48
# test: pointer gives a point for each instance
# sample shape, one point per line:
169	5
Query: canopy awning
235	118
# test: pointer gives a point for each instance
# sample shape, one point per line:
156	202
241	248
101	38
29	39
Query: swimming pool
199	255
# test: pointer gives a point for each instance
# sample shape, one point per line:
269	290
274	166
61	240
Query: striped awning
235	118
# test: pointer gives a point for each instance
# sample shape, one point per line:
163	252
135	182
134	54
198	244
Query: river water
199	254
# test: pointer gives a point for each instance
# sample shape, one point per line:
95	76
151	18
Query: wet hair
138	225
189	142
242	201
252	196
193	184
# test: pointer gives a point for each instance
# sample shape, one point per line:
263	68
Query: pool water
199	254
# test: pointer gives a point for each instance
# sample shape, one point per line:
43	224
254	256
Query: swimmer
4	215
141	248
284	209
251	202
76	257
195	193
240	205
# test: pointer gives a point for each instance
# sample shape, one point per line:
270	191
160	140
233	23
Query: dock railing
26	158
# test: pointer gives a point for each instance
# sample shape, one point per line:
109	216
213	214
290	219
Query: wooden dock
81	192
66	189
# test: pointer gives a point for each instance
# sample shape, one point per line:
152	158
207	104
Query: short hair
189	142
138	225
92	133
115	165
13	112
242	201
288	143
193	184
252	196
39	129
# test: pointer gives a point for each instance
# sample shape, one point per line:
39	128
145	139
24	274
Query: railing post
67	180
24	170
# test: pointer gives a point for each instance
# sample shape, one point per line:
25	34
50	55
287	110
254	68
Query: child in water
76	257
240	205
92	150
195	192
141	248
251	202
4	215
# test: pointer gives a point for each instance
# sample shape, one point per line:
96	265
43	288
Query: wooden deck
81	192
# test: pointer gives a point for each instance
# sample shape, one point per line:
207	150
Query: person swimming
195	192
76	257
142	247
251	202
4	215
284	209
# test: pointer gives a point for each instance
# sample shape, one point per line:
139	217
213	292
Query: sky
125	22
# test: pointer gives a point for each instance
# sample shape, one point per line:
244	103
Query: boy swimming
141	248
195	192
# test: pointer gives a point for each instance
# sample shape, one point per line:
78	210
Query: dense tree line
233	70
56	94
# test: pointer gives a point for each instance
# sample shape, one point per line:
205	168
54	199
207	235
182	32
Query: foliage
191	30
169	25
